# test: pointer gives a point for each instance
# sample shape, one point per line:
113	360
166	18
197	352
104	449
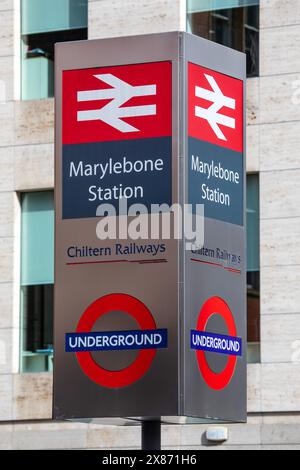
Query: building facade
269	32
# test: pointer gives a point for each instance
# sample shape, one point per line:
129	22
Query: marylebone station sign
150	285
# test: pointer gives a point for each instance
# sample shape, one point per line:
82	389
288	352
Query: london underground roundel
202	341
146	340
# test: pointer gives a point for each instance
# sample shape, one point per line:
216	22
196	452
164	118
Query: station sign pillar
149	327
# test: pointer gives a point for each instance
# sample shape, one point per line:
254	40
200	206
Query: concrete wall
279	124
270	432
273	149
109	18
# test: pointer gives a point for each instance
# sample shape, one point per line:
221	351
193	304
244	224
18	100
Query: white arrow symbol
219	101
120	93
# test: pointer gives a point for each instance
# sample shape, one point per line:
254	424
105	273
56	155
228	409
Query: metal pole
151	435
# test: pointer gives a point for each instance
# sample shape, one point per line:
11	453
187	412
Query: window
37	279
253	267
45	22
233	23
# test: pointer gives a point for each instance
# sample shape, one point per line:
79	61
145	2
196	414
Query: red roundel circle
216	306
137	310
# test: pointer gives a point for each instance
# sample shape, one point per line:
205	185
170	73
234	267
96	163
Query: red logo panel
216	306
117	103
137	310
215	107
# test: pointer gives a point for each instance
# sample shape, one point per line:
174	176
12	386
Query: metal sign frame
173	386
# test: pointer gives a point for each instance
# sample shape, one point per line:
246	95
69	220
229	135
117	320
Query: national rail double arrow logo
126	102
215	103
212	114
119	94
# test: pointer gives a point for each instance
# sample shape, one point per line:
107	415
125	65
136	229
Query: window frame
254	347
42	356
42	58
249	46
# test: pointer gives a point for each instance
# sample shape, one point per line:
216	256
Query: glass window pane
37	321
232	23
37	78
37	238
37	328
252	223
38	61
44	23
53	15
210	5
253	267
37	278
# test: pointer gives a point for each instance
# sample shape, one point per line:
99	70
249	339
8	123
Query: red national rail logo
215	105
117	103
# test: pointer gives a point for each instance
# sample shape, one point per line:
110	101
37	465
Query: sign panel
215	103
115	334
215	307
215	133
149	326
116	137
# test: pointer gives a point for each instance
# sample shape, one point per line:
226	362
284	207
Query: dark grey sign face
143	327
215	278
215	304
116	301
